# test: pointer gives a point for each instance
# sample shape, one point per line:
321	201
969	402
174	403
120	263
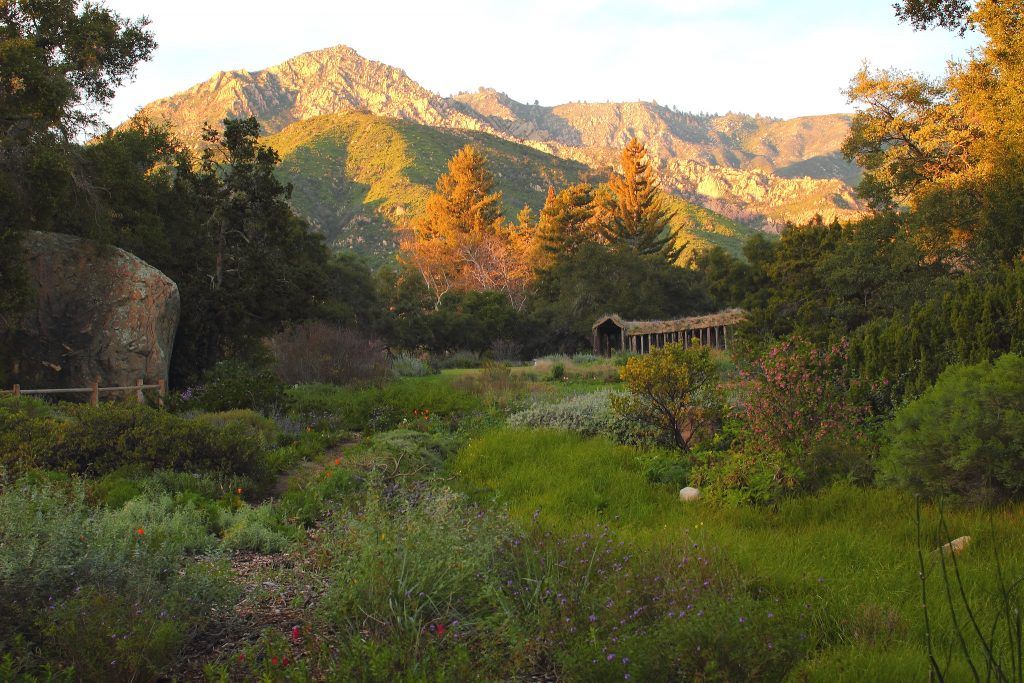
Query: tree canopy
640	220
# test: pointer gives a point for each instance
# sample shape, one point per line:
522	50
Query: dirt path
307	469
276	589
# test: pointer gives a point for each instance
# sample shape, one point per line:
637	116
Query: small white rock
689	493
956	546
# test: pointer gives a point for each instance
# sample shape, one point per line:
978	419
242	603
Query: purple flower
592	618
610	657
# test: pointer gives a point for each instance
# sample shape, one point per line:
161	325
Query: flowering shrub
801	423
797	396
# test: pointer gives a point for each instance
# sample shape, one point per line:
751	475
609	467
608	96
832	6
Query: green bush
459	360
964	436
306	500
404	365
113	594
249	421
95	440
232	384
557	372
378	409
414	451
258	529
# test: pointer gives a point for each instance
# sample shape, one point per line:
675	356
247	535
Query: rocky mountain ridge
760	170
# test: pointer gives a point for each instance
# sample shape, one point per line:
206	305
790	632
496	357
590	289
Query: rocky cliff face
99	312
754	168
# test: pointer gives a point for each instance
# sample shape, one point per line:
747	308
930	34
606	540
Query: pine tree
640	218
568	219
464	201
462	241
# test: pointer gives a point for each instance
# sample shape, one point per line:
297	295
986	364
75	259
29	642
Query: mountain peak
756	168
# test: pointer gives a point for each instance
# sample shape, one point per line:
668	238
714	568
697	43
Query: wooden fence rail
95	390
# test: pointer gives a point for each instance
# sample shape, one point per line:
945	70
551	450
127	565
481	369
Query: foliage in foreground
964	436
95	440
112	593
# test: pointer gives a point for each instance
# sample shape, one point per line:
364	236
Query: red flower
139	531
284	662
440	630
273	661
295	632
337	461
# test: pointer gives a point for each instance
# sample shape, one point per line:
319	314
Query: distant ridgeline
611	333
363	144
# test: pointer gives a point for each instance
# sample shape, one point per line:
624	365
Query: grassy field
404	531
849	553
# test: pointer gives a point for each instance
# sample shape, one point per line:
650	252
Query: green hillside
360	178
702	228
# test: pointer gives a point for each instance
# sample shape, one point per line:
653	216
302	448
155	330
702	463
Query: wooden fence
95	390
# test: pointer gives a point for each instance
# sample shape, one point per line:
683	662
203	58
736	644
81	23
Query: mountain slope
360	178
758	170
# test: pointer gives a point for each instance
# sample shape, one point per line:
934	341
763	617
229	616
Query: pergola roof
731	316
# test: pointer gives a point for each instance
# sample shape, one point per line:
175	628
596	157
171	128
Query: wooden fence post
138	391
94	398
162	389
17	390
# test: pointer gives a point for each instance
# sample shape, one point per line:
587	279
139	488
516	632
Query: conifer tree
568	219
462	241
640	219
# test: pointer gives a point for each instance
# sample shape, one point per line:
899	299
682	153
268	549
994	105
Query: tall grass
848	552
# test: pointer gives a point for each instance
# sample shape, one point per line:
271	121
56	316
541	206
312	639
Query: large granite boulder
99	312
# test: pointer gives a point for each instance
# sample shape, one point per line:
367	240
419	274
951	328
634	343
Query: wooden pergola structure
611	333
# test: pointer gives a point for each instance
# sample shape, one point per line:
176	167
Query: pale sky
774	57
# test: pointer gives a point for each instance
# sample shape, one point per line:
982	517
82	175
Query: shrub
232	384
320	352
414	451
557	372
459	360
401	573
588	414
964	436
505	350
257	529
798	396
94	440
801	424
112	593
675	390
248	421
404	365
379	409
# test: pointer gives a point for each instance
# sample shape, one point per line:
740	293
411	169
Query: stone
100	312
689	494
956	546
